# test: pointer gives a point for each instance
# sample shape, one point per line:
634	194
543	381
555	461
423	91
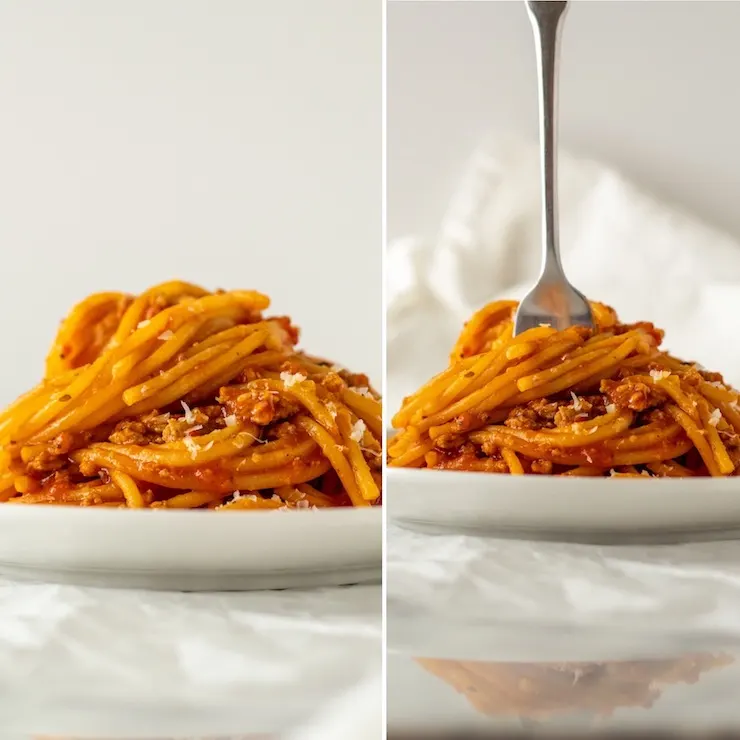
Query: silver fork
553	300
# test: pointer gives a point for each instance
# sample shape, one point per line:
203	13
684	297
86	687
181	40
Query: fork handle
546	18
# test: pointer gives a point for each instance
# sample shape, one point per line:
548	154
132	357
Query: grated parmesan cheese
142	324
358	430
332	409
611	408
275	497
588	457
363	391
714	417
192	447
577	405
208	446
256	439
230	420
659	374
290	379
193	429
165	335
302	505
189	415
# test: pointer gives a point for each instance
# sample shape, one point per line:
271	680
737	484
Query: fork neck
546	18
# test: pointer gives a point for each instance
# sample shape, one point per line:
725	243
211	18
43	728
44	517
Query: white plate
191	550
599	510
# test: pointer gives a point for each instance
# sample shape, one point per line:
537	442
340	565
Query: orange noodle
181	398
582	402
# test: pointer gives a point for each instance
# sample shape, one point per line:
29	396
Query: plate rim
422	475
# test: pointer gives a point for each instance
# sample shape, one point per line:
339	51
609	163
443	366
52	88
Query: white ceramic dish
191	550
602	510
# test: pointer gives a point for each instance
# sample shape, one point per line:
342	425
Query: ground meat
156	428
333	382
522	417
286	431
632	393
54	455
712	377
541	467
256	403
129	433
466	458
201	421
579	410
449	441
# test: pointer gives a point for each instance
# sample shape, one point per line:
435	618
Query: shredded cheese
208	446
193	429
715	417
256	439
331	406
611	408
189	415
290	379
142	324
192	447
165	335
363	391
358	430
657	375
588	457
577	405
230	420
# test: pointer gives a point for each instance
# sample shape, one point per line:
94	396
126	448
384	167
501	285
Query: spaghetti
580	402
181	398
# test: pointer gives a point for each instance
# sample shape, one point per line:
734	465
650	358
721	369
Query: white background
650	87
230	143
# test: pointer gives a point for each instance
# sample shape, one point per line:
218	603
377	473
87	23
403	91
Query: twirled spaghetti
579	402
181	398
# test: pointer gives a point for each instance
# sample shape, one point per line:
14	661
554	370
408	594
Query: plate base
174	581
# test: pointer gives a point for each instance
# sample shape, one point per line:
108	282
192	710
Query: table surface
498	636
100	663
688	688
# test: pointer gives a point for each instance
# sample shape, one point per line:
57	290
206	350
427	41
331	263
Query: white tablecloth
116	663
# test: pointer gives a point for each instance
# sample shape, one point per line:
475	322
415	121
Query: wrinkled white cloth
620	246
88	662
650	262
